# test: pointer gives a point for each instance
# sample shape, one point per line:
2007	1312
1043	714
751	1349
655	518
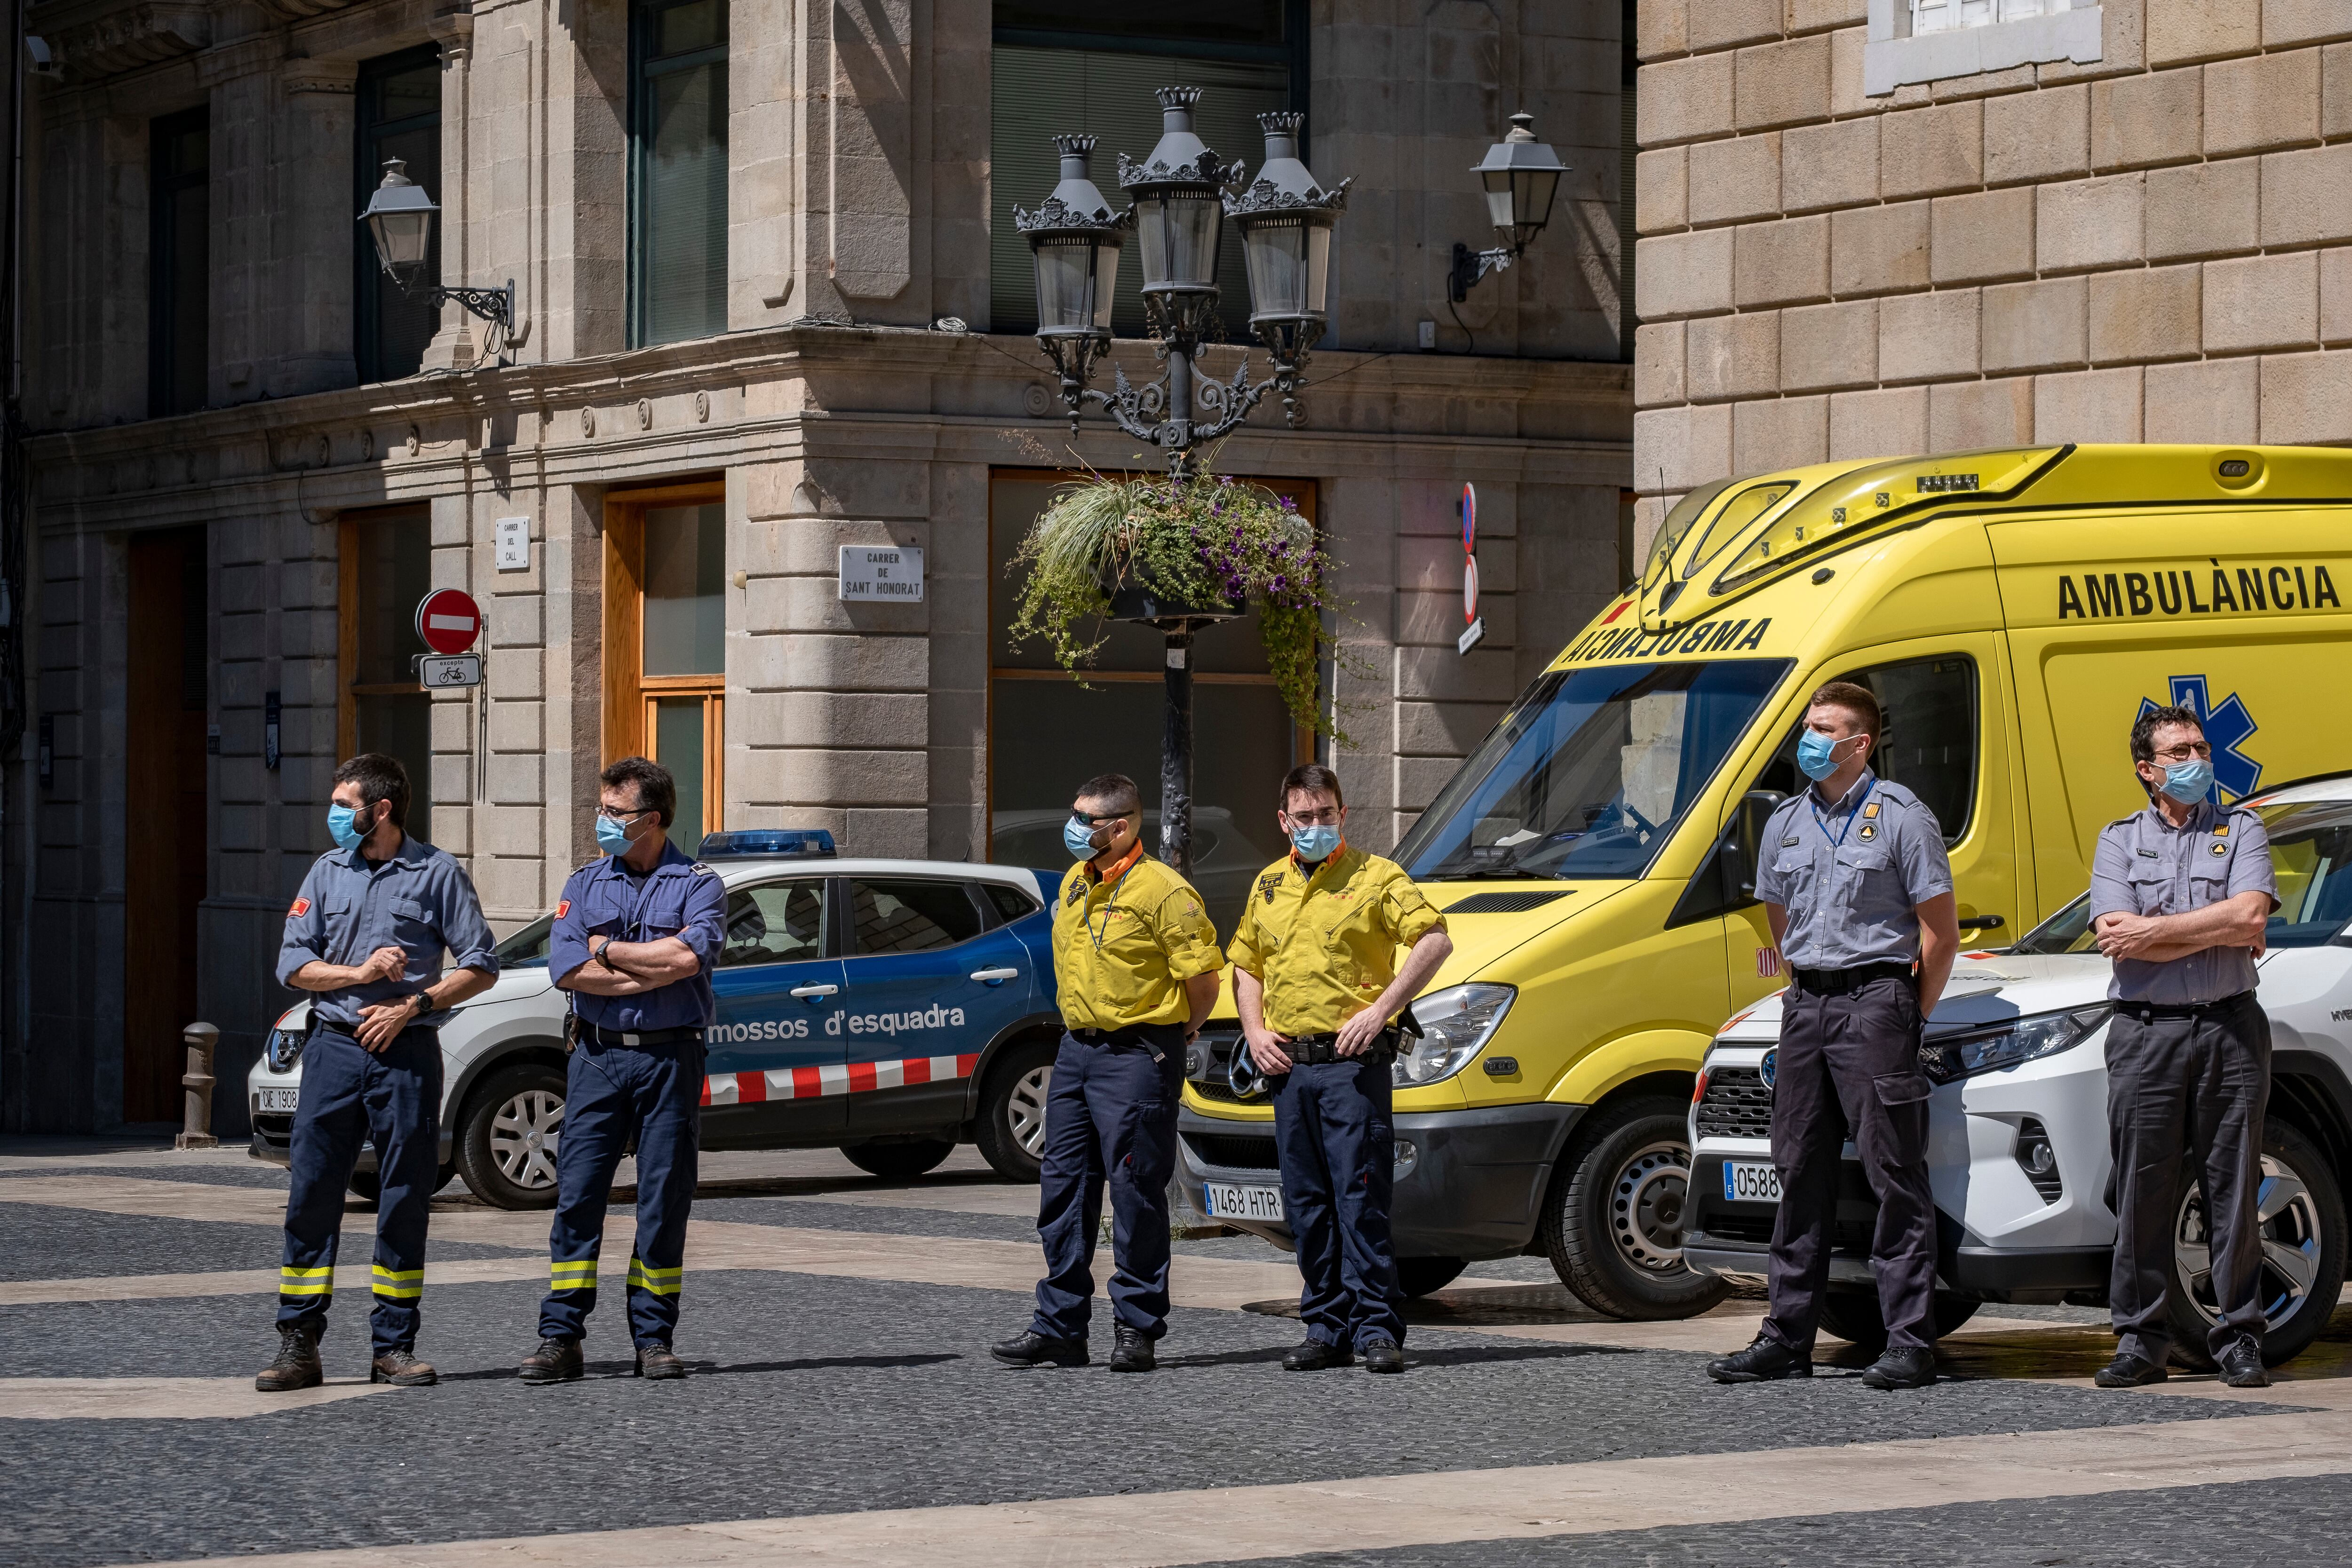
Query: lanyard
1109	904
1839	842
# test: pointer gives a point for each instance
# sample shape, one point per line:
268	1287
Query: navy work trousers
611	1092
2195	1087
1110	1119
1848	1067
351	1096
1332	1133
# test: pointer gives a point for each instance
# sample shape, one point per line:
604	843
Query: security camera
44	64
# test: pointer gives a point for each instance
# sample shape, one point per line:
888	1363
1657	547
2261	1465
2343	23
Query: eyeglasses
1097	821
2197	749
616	814
1322	816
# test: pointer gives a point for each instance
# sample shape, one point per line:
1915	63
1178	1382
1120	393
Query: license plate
1233	1201
1745	1183
278	1100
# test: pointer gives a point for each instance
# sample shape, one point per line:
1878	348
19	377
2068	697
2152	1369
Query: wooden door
164	816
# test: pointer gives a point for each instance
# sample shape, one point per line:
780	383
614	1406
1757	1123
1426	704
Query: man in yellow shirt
1317	984
1137	969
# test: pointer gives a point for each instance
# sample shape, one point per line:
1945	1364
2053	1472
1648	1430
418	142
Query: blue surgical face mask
1814	756
2188	782
1079	837
1314	843
611	837
341	827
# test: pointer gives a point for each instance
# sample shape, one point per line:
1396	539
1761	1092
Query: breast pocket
412	927
1862	870
2151	890
339	914
1795	870
2209	884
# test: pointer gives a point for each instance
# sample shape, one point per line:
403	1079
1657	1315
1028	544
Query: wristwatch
598	954
424	1001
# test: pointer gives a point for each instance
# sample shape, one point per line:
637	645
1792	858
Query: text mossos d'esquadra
753	1031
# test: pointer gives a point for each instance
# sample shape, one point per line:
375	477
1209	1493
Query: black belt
2150	1012
1845	982
1318	1051
601	1036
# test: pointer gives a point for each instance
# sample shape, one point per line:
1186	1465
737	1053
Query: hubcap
523	1136
1025	1108
1645	1206
2287	1220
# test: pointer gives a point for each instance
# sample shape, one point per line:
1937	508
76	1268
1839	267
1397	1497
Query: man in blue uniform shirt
1855	882
634	936
2181	895
365	936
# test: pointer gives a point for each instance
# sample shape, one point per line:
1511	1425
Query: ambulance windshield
1589	773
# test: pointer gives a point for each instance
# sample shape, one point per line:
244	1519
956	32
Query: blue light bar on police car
766	844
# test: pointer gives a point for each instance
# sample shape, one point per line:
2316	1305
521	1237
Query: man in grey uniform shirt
2181	894
1859	890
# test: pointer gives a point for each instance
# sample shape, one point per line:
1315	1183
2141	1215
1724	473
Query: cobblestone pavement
844	1403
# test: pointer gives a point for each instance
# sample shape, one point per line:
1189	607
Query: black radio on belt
1319	1050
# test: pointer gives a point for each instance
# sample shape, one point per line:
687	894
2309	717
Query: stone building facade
251	456
1883	226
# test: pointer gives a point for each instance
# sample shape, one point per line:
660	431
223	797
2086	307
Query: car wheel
1422	1275
1012	1128
899	1162
366	1186
2301	1214
507	1137
1613	1222
1854	1317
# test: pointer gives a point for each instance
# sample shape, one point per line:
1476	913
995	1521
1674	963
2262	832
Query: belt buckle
630	1039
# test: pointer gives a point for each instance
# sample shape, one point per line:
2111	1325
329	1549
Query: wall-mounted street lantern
400	217
1521	175
1182	195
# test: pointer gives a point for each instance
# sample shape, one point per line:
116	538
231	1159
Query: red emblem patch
562	909
301	907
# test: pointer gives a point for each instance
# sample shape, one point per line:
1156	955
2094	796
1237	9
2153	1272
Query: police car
888	1008
2018	1152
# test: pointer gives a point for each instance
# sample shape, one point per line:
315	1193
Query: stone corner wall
2155	246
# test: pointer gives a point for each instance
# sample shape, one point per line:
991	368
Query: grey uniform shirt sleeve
2249	864
1771	887
1919	850
305	940
463	930
2111	892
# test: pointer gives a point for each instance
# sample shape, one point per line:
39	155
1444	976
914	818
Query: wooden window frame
348	691
630	694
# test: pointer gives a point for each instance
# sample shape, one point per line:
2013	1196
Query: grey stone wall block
2204	209
1965	415
2090	222
2261	103
2335	296
2036	326
1984	237
2043	135
1931	152
1721	23
1685	100
1780	432
1734	356
2307	398
2142	119
2307	196
2288	22
1889	423
1829	347
1782	84
2209	400
1824	167
1735	179
1879	249
2143	316
2261	303
1676	448
1930	337
1661	190
2179	31
1684	274
1658	364
1784	263
2088	406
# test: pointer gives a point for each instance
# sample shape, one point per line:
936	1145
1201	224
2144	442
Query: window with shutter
1914	41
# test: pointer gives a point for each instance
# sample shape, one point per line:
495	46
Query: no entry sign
447	621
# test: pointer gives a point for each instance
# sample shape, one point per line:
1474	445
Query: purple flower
1280	583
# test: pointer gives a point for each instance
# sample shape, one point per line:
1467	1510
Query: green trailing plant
1206	541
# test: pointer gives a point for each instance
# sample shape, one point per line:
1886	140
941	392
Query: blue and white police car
888	1008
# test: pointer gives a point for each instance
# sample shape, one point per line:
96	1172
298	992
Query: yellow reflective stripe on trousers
399	1284
578	1274
317	1281
656	1282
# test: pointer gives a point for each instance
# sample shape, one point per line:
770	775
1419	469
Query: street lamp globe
399	216
1286	220
1075	241
1178	214
1521	175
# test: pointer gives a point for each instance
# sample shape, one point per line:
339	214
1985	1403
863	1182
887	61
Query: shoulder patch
1077	891
1869	831
699	870
2221	830
562	907
1870	810
2221	849
301	907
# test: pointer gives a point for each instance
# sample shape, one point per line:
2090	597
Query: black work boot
403	1369
1384	1355
1763	1361
297	1365
1315	1355
2129	1371
555	1361
1911	1366
2241	1366
1030	1348
657	1360
1131	1351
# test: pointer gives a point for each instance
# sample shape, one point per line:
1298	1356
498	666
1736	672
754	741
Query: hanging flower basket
1166	552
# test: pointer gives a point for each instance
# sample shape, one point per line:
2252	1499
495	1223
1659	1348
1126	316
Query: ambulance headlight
1454	1022
1966	1053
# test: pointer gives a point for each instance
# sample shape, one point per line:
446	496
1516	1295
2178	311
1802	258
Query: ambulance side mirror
1748	825
1725	881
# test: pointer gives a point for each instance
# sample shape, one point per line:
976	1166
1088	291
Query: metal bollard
202	1039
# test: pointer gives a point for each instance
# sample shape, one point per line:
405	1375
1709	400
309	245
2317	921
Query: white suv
888	1008
2017	1144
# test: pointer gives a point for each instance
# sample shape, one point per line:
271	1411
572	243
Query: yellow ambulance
2011	610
